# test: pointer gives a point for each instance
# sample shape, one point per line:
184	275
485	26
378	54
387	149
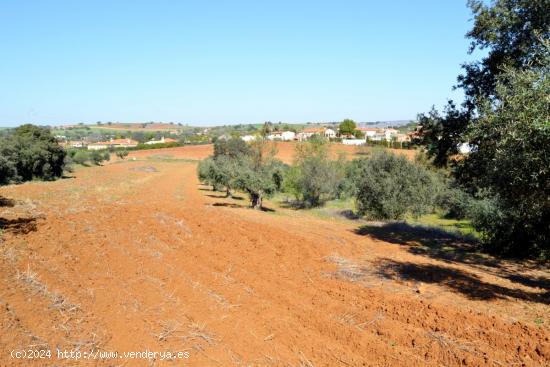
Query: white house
377	136
274	136
367	131
403	138
353	141
113	143
161	141
321	131
248	138
390	133
330	133
288	135
464	148
74	144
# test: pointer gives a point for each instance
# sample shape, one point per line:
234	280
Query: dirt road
138	256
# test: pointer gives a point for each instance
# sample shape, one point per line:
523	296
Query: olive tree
251	169
314	178
510	164
388	186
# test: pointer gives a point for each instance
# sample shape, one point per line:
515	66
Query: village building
321	131
353	141
162	140
368	131
248	138
282	135
113	143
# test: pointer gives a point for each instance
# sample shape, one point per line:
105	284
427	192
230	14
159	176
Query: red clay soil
138	256
194	152
285	151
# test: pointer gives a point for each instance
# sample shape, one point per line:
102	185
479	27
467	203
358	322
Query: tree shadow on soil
19	225
456	280
239	206
453	248
432	242
224	196
10	203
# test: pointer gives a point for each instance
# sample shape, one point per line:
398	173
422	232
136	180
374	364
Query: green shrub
121	154
315	178
96	157
8	170
234	148
30	152
455	202
388	187
80	157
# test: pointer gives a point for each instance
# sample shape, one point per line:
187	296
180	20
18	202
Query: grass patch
436	220
345	209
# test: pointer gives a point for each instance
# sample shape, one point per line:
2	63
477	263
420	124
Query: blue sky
217	62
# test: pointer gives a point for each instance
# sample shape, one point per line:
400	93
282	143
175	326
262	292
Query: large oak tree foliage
30	152
505	120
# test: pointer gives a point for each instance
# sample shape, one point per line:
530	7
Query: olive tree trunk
256	198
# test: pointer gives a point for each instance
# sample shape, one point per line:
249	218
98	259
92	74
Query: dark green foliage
513	33
388	187
220	172
236	165
456	203
347	127
259	179
315	178
511	163
441	134
30	152
86	157
121	154
505	118
80	156
96	157
8	170
207	172
233	147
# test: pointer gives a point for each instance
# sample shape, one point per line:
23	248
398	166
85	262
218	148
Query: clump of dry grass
7	253
349	319
57	301
199	331
347	269
304	361
168	329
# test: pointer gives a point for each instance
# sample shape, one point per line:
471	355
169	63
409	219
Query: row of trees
505	119
384	185
238	166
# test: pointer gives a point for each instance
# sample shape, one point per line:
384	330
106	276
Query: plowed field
285	152
136	256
